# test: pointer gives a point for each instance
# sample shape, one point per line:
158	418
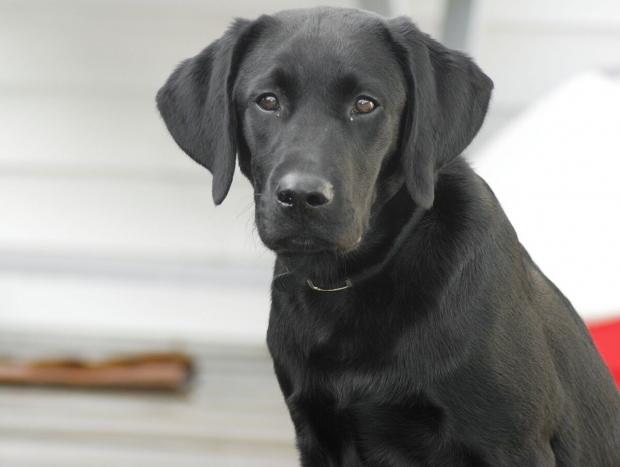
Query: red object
606	336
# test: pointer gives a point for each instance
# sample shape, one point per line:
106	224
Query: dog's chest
359	427
350	391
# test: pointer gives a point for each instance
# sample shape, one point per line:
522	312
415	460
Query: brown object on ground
161	371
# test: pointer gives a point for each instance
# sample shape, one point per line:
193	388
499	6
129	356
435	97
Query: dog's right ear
197	106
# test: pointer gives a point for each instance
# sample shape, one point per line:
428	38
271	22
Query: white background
106	227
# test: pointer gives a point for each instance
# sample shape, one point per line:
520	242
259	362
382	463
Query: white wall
91	184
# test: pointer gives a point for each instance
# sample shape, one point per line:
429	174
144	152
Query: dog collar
347	285
377	268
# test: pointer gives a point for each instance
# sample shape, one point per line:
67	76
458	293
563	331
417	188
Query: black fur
451	348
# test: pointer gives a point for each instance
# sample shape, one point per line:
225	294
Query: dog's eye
268	102
365	105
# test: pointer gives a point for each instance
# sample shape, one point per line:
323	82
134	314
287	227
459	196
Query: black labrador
409	326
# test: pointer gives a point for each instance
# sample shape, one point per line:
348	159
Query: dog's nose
297	189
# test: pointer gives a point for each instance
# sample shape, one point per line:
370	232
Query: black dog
409	326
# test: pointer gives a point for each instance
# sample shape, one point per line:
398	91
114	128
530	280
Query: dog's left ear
197	106
448	96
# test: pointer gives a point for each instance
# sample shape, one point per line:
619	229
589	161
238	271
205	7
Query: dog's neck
459	207
332	272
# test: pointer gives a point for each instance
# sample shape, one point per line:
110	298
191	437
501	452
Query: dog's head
330	112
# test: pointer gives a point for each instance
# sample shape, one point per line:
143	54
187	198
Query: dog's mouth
303	244
306	237
311	245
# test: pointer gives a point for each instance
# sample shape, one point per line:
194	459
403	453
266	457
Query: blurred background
110	243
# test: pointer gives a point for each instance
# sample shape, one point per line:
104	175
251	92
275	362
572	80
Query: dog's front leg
312	452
